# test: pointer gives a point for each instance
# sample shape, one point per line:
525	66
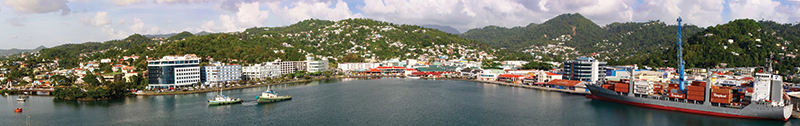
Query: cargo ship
761	98
764	101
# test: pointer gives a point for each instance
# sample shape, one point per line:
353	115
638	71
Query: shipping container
721	91
720	100
674	85
701	93
608	86
676	95
695	88
699	83
721	95
695	97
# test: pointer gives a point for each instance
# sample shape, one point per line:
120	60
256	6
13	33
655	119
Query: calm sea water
388	101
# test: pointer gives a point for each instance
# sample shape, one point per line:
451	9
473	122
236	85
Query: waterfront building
490	74
172	71
217	73
347	67
261	71
291	66
584	69
318	65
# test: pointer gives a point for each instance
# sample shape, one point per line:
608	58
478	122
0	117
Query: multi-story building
172	71
261	71
584	69
315	66
291	66
217	73
357	66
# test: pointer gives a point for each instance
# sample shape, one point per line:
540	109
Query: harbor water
387	101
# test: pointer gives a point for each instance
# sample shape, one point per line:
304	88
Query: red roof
748	78
570	83
392	67
411	69
511	75
548	73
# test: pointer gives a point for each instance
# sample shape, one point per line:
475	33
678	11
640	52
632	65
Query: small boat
18	110
271	96
22	98
223	100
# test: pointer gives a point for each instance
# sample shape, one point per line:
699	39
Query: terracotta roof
561	82
548	73
511	75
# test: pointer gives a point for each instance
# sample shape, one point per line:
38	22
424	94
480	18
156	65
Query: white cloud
303	10
182	1
127	2
121	22
14	36
17	21
702	13
249	15
761	9
99	19
460	14
137	26
38	6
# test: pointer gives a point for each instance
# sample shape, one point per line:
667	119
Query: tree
90	79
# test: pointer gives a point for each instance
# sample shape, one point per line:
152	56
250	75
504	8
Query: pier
519	85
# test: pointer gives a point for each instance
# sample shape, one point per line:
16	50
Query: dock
521	86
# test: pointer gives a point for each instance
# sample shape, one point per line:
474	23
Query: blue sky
31	23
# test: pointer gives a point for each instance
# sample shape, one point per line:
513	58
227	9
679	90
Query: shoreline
250	86
518	85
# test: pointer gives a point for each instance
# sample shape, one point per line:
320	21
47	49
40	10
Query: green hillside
350	40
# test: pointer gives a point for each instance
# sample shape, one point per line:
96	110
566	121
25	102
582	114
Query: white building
261	71
291	66
584	69
490	74
217	73
172	71
319	65
357	66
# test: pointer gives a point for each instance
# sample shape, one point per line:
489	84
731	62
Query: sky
28	24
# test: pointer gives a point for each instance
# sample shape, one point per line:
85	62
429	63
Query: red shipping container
699	83
749	89
695	88
696	98
676	95
701	93
608	86
621	90
721	100
674	85
721	91
721	95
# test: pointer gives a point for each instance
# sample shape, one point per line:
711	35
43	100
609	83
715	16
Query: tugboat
270	96
223	100
18	110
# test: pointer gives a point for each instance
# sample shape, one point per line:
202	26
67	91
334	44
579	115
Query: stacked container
721	95
696	91
642	87
608	86
658	88
674	91
621	87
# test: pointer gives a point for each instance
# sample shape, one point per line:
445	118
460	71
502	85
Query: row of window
182	74
187	81
174	62
190	77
